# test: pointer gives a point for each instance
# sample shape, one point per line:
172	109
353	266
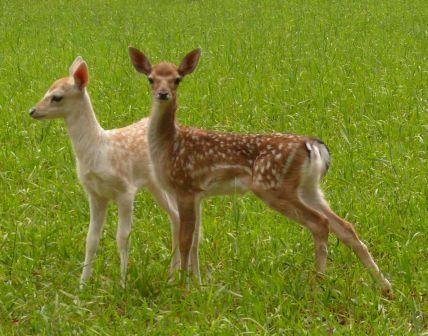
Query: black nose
32	111
163	95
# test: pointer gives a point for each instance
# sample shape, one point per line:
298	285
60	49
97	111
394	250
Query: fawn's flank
111	164
283	170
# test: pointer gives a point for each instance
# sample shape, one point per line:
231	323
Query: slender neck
85	132
162	129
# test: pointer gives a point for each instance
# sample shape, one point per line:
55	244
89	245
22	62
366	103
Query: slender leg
292	207
167	202
194	252
312	197
175	260
186	210
317	223
125	205
98	209
346	233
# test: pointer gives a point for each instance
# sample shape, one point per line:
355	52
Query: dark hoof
388	293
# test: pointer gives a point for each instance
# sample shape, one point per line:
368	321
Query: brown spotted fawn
284	170
112	165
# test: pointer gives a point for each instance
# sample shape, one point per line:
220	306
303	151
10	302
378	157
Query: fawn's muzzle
163	95
32	111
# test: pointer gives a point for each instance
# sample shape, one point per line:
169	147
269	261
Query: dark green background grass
351	72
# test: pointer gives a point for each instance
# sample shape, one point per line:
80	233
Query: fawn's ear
74	65
81	75
139	61
189	63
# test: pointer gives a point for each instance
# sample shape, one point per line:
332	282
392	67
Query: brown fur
281	169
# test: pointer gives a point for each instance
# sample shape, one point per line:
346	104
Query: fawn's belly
236	185
103	185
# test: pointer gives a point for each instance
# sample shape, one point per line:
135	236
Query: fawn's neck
162	128
85	132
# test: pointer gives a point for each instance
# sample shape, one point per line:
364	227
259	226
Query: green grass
351	72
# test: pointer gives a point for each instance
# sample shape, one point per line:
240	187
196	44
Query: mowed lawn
353	73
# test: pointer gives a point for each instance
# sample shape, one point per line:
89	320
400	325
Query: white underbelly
104	186
228	187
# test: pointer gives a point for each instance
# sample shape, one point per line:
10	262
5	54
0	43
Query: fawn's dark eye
150	80
57	98
177	81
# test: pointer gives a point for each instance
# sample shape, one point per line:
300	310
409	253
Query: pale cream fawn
112	165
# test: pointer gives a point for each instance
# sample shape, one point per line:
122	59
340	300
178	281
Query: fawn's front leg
187	212
167	202
194	252
98	209
125	206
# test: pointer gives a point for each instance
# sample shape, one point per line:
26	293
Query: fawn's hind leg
291	206
345	232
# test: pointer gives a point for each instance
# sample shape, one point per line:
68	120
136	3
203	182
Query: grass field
351	72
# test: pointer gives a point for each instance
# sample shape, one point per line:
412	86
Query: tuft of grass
351	72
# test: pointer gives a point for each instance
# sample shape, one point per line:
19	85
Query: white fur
108	167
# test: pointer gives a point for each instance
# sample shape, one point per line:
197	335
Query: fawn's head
164	77
63	95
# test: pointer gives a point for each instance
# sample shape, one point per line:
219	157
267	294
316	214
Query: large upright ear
74	65
189	63
139	61
81	75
